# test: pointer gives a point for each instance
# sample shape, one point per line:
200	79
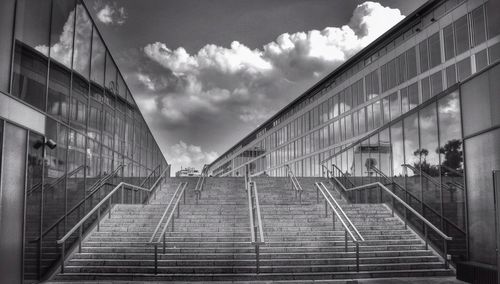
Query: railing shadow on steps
392	204
171	219
256	231
106	204
338	212
296	187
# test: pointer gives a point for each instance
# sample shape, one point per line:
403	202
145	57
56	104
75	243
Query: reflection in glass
59	87
62	29
451	153
98	58
83	40
34	190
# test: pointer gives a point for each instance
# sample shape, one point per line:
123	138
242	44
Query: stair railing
200	184
296	187
337	212
256	231
427	223
56	181
106	201
170	219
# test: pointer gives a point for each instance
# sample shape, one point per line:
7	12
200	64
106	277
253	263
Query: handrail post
257	258
98	218
109	208
123	192
345	241
426	237
164	245
317	195
62	257
357	256
80	240
156	259
133	196
446	266
326	208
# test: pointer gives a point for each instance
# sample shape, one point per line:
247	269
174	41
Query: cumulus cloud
187	155
110	13
251	82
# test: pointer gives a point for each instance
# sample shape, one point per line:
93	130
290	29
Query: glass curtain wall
62	67
421	154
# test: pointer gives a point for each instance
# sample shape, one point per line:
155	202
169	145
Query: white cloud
187	155
252	82
110	14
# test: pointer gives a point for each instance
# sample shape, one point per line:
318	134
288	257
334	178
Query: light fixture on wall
48	142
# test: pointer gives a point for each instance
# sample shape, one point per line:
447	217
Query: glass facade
370	91
62	68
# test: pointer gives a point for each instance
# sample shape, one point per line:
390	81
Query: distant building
188	172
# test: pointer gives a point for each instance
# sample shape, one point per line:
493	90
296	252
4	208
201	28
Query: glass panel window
478	25
413	95
451	75
395	105
98	58
31	51
449	42
493	20
424	56
59	88
494	52
464	69
62	30
481	60
426	89
411	62
451	156
7	8
461	35
434	50
83	40
436	83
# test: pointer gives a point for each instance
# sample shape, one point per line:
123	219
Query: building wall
59	81
449	44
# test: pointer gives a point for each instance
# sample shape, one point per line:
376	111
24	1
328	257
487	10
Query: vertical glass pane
413	95
413	154
34	190
429	163
461	35
493	19
395	105
478	25
62	29
434	50
451	153
411	62
449	42
31	51
397	152
436	83
79	100
424	56
451	76
83	40
59	89
464	69
98	58
481	60
54	195
426	89
6	29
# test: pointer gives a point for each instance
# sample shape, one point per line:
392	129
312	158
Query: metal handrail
426	207
170	218
199	187
256	231
341	217
342	173
343	212
165	213
426	222
295	183
57	181
432	179
97	208
92	189
150	174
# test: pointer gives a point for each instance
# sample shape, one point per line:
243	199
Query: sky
206	73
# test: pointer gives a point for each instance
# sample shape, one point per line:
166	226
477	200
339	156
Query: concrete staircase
211	240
